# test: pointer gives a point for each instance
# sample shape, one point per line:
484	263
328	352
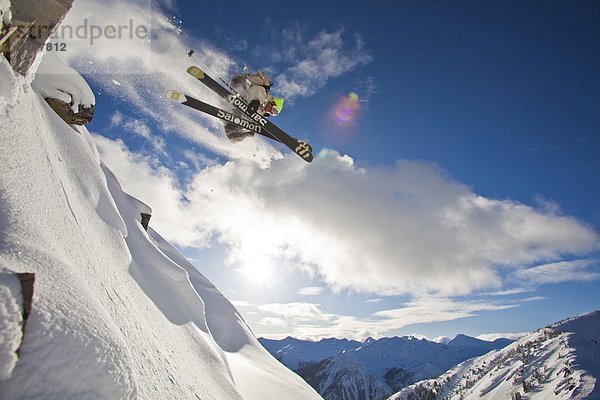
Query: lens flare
346	110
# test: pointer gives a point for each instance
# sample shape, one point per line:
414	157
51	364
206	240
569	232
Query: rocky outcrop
64	90
27	280
65	111
145	220
16	295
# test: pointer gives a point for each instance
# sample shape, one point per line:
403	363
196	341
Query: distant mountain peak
368	341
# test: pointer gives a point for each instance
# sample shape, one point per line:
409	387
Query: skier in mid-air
249	95
254	89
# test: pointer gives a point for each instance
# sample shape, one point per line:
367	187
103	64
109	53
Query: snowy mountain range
296	353
117	312
561	361
373	369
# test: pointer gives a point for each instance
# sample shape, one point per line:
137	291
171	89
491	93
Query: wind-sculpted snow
55	79
117	313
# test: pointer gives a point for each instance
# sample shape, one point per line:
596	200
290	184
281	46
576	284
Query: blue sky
461	198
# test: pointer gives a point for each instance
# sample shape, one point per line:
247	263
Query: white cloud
295	311
490	337
534	298
309	321
116	119
442	339
241	303
311	291
167	4
411	227
317	60
563	271
433	309
509	292
199	160
276	322
138	127
406	229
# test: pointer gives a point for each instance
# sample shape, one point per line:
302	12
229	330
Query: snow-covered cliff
117	312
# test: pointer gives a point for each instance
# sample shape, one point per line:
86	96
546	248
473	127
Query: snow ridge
557	362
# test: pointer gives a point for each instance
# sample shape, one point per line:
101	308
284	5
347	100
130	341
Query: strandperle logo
130	30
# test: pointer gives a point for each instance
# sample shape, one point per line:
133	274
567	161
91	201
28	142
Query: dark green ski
303	149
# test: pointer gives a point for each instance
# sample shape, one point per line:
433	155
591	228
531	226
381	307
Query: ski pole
191	54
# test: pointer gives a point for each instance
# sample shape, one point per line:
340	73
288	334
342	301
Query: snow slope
117	312
561	361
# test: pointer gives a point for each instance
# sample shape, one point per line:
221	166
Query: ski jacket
253	87
259	78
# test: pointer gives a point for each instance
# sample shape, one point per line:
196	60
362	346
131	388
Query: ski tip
304	150
196	72
176	96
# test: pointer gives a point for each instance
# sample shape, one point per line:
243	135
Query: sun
258	270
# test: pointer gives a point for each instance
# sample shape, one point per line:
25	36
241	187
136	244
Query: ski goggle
271	109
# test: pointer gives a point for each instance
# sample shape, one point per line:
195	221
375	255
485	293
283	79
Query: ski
300	147
214	111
